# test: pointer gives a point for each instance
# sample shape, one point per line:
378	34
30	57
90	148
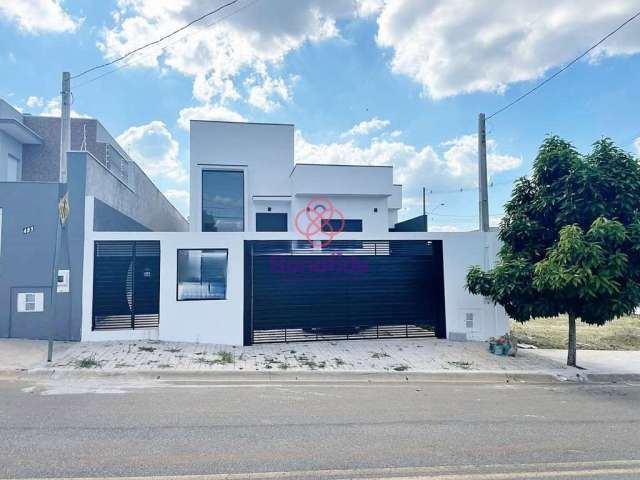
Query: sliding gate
126	285
295	291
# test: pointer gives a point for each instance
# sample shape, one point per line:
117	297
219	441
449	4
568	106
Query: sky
376	82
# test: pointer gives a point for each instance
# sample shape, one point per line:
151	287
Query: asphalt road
331	430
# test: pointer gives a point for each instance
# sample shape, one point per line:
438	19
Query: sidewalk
599	361
18	354
411	356
398	355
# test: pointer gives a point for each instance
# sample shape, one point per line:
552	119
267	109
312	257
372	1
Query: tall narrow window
202	274
14	170
222	201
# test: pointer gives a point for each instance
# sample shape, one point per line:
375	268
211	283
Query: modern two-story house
279	251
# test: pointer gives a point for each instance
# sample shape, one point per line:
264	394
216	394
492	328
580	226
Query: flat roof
19	131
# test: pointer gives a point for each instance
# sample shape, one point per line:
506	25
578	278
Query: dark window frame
244	202
336	222
226	276
274	214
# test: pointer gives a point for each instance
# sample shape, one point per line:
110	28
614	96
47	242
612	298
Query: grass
88	362
462	364
620	334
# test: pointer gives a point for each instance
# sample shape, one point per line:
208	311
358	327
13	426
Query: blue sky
364	81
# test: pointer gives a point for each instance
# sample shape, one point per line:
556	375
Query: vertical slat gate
126	285
346	290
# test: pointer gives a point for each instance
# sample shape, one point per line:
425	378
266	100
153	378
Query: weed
173	350
401	368
339	362
462	364
147	349
88	362
164	365
225	357
379	355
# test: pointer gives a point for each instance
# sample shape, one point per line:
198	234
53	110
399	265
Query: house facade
278	251
36	299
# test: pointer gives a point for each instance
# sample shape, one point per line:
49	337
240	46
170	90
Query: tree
570	239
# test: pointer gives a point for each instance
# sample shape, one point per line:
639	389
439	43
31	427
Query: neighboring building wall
26	259
144	204
8	146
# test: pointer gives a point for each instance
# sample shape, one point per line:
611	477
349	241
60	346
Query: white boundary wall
222	321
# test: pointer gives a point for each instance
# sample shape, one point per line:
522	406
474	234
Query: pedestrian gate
298	291
126	285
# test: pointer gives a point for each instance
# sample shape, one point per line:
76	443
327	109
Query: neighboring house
279	251
100	174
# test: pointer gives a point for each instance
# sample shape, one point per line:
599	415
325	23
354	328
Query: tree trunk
571	353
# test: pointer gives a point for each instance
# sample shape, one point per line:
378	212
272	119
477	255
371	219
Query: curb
292	377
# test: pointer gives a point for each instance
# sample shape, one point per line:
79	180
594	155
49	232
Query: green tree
571	239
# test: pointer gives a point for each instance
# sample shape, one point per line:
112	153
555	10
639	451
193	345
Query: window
222	201
14	172
271	222
202	274
30	302
335	224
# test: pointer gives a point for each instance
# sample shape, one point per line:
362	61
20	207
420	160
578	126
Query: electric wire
572	62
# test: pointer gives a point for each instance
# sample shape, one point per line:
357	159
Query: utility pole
61	261
482	174
424	208
65	125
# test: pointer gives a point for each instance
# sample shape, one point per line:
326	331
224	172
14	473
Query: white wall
263	151
206	321
352	207
221	321
313	179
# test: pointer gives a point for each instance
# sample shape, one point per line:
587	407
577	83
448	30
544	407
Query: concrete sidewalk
398	355
16	354
415	356
599	361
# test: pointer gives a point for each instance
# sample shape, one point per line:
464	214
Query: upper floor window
271	222
222	201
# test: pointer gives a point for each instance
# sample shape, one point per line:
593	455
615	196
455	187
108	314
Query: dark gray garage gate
126	285
345	290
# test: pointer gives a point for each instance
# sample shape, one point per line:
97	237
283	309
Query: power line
128	62
155	42
575	60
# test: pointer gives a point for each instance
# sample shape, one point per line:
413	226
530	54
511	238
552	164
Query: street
433	429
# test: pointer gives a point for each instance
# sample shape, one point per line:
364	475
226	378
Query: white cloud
366	127
207	112
51	108
173	194
156	151
248	38
366	8
637	145
39	16
34	101
265	91
449	166
456	46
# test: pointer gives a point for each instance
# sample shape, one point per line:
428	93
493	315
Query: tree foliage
571	237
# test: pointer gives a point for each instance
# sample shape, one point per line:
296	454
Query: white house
279	251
